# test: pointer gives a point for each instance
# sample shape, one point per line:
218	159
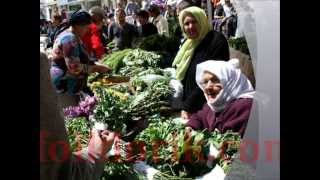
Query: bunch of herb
115	59
239	44
151	100
78	130
230	142
139	60
111	110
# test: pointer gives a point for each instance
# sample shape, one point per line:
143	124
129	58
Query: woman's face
190	26
211	86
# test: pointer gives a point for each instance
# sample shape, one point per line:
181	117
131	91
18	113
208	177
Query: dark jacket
147	30
234	117
213	47
122	36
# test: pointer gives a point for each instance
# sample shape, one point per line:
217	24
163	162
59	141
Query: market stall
135	100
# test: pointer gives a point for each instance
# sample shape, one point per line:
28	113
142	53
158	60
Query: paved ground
240	171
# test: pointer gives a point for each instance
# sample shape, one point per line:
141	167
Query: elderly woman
229	96
70	61
202	43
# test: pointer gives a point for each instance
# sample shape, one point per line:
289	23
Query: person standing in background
146	28
225	18
92	40
145	4
56	22
64	15
121	32
131	8
158	20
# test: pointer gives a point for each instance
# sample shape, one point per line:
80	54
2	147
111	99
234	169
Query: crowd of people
163	17
216	94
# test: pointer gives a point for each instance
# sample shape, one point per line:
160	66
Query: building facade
50	7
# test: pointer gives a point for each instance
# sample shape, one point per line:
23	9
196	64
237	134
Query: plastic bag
176	99
213	153
144	169
171	72
216	173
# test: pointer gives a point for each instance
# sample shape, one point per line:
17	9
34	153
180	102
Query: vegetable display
182	154
139	60
78	132
111	110
159	43
239	44
115	60
135	95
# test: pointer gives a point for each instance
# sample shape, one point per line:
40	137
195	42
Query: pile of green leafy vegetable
230	141
146	96
111	110
139	60
181	154
239	44
177	154
114	60
78	130
151	100
115	170
160	43
111	45
117	108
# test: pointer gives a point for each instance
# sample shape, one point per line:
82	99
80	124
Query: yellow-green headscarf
184	55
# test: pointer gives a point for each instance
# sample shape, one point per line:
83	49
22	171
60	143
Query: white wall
260	22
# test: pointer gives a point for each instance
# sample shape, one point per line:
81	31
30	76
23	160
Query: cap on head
80	17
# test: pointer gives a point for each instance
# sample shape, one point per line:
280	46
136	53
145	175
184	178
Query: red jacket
92	41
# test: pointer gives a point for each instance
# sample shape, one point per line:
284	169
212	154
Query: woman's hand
188	129
185	115
100	143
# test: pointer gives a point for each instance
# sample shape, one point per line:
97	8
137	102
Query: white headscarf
235	83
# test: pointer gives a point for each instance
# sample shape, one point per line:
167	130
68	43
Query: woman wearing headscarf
70	61
202	43
229	96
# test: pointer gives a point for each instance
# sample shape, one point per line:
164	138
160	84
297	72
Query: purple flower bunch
84	109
